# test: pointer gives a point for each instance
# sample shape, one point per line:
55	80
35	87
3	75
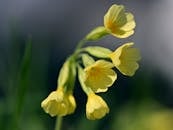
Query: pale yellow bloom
96	107
125	59
100	76
59	103
118	22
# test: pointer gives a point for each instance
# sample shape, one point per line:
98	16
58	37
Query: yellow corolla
125	59
59	103
100	76
96	107
118	22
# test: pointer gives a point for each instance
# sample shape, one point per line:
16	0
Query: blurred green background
37	36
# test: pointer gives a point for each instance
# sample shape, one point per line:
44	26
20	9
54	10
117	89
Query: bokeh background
37	35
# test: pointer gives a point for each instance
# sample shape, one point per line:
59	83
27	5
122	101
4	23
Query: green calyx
67	74
97	33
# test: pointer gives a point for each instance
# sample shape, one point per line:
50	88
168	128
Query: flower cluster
94	66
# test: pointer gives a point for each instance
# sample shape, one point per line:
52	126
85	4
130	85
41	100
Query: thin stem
58	124
80	44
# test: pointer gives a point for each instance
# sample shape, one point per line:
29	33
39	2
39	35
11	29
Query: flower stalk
58	124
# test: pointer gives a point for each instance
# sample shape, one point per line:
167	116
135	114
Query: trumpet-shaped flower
59	103
96	107
118	22
100	76
125	59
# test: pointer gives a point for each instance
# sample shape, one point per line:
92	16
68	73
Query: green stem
76	51
58	124
80	44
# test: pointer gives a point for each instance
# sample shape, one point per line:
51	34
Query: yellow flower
100	76
118	22
96	107
125	59
59	103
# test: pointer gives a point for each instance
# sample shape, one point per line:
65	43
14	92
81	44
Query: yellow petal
59	103
118	23
96	107
50	104
130	25
133	54
128	69
125	59
72	104
104	64
102	81
100	76
123	34
115	16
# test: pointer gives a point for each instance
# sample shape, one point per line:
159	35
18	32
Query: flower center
94	71
111	26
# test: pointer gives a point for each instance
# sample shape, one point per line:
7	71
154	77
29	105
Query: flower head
59	103
100	76
125	59
96	107
119	23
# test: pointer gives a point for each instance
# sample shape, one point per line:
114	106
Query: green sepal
67	75
87	60
72	76
81	77
97	33
98	51
64	73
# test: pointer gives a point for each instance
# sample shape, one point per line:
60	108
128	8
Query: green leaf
97	33
98	51
24	73
87	60
23	80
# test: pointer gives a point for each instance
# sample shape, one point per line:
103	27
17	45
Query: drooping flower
125	59
96	107
118	22
100	76
59	103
